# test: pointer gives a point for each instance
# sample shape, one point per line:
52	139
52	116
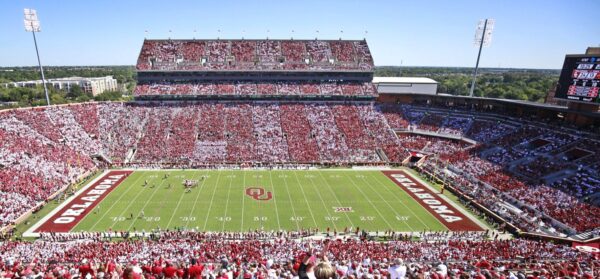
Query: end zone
65	217
439	207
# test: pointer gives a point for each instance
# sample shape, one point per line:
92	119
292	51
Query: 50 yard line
321	198
243	199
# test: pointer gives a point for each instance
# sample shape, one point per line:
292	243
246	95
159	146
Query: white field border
354	168
448	200
30	232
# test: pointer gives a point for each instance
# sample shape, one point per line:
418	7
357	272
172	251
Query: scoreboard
580	79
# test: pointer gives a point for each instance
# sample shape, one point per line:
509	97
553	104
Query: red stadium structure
265	103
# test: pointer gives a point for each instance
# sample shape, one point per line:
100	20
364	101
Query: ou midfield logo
259	194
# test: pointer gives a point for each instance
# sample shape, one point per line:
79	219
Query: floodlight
486	26
32	24
483	38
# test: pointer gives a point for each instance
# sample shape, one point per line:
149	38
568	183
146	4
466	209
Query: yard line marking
336	198
305	199
119	199
211	201
187	223
276	210
259	204
147	201
243	200
391	207
292	204
412	212
373	205
177	207
321	198
227	203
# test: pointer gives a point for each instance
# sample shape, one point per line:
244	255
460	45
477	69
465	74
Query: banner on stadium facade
593	247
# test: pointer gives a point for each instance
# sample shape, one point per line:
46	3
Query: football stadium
282	149
285	158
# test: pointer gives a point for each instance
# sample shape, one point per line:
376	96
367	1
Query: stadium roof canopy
412	80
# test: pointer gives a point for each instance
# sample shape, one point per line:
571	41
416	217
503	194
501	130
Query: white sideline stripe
30	233
113	205
354	168
451	202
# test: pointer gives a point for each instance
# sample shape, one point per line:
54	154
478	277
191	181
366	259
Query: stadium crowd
211	55
44	150
520	161
199	255
256	89
537	176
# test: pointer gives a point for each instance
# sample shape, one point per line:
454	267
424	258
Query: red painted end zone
66	218
440	208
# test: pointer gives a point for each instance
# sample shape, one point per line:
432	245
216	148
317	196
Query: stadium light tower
32	24
483	38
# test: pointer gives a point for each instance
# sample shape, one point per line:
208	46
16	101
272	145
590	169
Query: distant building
4	104
94	85
404	85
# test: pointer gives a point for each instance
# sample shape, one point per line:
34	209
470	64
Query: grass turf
300	199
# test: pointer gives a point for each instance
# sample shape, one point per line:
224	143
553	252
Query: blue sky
528	33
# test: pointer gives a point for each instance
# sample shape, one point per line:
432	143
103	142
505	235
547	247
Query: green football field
271	200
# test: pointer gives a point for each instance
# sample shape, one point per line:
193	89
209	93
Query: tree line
34	96
517	84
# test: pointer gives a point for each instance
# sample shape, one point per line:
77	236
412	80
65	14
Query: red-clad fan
195	269
170	271
157	269
85	270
